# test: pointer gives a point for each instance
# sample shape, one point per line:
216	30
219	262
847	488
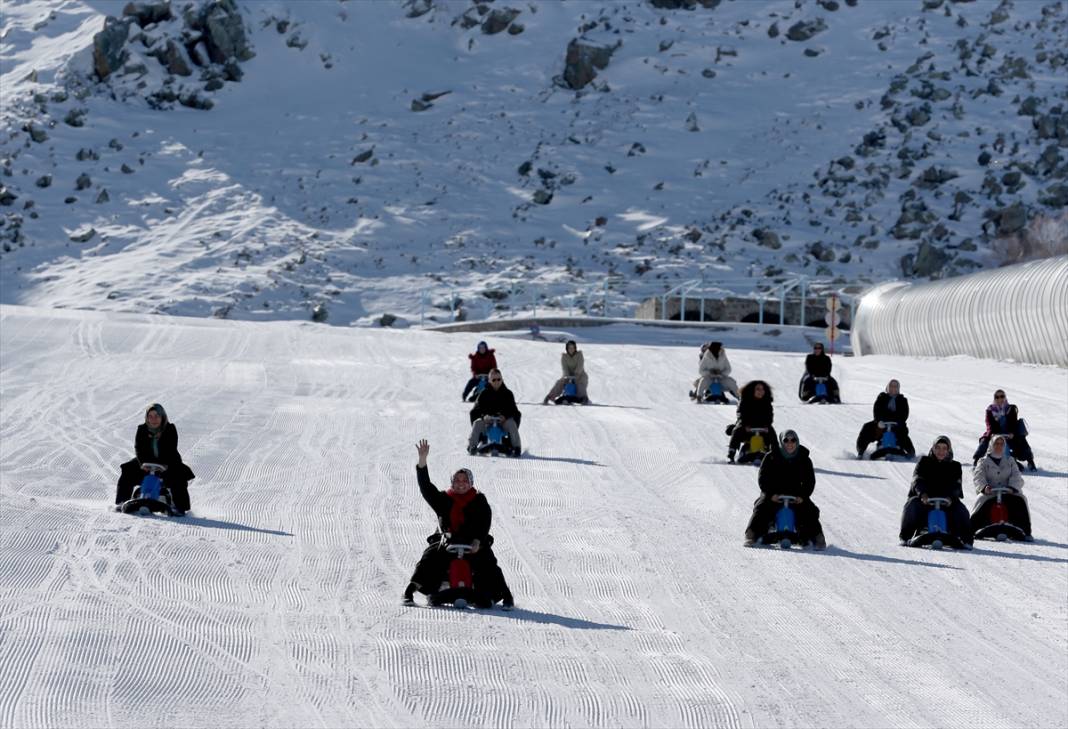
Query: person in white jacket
714	363
999	469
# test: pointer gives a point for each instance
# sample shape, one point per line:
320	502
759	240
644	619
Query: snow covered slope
275	602
889	143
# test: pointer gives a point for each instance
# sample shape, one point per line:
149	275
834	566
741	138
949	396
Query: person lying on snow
890	407
714	363
787	471
465	515
936	475
572	365
495	400
1003	418
997	469
754	411
818	364
156	441
482	361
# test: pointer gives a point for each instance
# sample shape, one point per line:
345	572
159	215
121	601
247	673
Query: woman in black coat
754	411
787	471
937	475
890	407
465	515
156	441
818	364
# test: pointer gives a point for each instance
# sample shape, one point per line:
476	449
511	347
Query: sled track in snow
276	600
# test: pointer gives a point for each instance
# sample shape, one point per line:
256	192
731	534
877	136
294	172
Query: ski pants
806	516
131	476
478	429
1021	449
872	433
581	382
1015	503
433	569
914	519
728	383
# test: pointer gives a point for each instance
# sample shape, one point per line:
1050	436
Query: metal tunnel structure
1017	313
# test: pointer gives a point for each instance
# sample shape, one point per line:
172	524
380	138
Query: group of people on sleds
458	564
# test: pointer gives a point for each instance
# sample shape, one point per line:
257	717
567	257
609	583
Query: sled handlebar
757	430
999	491
154	467
785	499
458	549
938	501
887	424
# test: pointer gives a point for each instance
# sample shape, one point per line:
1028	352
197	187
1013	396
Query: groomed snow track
276	602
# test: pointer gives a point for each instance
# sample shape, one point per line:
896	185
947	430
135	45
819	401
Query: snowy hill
275	602
370	153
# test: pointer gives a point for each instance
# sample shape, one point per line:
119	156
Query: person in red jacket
482	361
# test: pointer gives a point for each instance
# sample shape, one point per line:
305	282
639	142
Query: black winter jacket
477	515
754	413
496	402
937	478
818	365
791	476
883	413
168	451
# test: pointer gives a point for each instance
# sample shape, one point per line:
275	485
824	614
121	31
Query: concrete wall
1017	313
736	309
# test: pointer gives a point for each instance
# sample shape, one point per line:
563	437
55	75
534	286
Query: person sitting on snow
495	401
572	366
714	364
156	441
754	411
1004	419
787	471
997	469
818	364
936	475
890	407
465	515
482	361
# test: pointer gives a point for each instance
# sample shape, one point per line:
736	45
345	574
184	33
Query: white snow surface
276	601
257	208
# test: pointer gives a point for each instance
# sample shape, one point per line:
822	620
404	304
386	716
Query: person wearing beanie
156	441
787	471
890	407
572	365
465	515
936	475
482	361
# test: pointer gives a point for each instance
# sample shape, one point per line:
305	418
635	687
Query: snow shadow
576	461
828	472
220	524
1014	555
866	557
1047	543
533	616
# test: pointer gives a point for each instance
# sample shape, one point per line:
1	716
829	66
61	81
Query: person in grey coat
572	365
997	469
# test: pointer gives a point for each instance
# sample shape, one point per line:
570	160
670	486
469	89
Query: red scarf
459	503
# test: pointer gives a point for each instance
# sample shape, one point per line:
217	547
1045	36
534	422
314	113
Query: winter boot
409	594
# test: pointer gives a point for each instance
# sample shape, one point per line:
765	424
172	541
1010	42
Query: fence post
604	300
804	293
702	307
782	307
760	316
422	308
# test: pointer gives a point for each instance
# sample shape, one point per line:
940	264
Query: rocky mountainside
342	160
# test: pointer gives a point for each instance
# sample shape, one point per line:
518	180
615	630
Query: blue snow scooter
570	394
936	535
784	530
889	448
495	440
714	393
151	496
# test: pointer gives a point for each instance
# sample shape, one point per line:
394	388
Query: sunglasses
789	440
495	379
999	397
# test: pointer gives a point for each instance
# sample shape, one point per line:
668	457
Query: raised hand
423	448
